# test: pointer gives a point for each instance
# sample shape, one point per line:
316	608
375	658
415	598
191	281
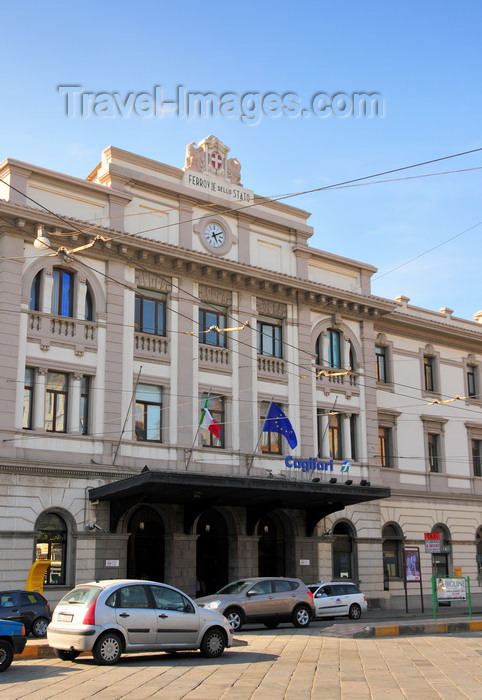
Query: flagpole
251	457
189	452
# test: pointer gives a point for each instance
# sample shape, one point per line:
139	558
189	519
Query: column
74	404
346	436
39	399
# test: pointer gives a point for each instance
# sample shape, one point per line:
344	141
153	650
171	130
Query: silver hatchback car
269	600
108	618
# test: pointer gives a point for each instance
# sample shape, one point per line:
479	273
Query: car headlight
213	605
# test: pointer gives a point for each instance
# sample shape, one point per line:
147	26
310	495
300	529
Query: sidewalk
375	623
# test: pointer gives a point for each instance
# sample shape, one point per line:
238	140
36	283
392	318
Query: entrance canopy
197	492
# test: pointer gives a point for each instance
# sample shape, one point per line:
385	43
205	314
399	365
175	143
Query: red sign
432	535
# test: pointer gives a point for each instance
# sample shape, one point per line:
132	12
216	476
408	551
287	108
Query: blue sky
423	58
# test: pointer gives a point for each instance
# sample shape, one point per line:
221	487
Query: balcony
214	357
335	377
271	367
61	329
152	347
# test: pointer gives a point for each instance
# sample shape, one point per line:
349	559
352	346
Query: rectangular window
429	373
472	381
270	442
215	406
84	405
334	435
270	337
150	314
56	399
385	446
210	322
477	457
148	413
433	447
381	366
28	390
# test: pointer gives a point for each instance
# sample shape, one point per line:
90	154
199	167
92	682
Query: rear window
283	586
83	595
351	590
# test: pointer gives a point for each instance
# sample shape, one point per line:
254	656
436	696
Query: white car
336	599
125	615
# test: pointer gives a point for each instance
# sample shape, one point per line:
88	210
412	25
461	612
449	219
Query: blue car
12	641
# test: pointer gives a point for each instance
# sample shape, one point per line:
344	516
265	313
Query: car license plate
65	617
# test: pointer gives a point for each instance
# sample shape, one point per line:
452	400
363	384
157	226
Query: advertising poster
411	562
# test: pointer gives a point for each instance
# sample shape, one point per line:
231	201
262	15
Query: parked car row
108	618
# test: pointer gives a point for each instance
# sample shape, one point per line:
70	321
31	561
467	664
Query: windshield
236	587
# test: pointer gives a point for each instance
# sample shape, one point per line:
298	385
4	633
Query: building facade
132	300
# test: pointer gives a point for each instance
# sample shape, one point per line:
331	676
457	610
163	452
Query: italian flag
207	422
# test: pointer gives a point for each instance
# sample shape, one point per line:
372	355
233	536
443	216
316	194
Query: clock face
214	235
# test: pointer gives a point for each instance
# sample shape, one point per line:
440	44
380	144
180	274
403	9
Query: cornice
423	329
163	258
49	469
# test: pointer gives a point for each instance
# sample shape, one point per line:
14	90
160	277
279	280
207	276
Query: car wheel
6	654
354	612
235	618
213	644
107	649
66	654
39	627
302	617
271	624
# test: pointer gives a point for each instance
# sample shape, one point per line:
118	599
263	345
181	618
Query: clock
214	235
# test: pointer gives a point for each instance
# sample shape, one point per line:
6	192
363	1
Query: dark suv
269	600
28	607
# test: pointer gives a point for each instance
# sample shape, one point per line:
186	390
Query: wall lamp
41	241
315	480
364	482
349	482
333	480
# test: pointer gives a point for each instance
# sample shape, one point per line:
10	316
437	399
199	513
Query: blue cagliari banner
314	464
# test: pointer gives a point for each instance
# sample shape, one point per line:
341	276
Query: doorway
212	552
145	546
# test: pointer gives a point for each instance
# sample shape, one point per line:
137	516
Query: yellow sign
35	578
457	571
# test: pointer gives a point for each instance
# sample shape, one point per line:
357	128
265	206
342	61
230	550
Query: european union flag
277	422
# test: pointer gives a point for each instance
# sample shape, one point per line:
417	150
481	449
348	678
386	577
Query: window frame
159	300
148	415
270	442
219	318
273	339
396	537
28	399
57	540
54	395
434	445
217	408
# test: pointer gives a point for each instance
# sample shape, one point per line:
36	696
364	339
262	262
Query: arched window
35	292
441	560
333	347
478	555
343	552
62	292
392	551
89	306
52	544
